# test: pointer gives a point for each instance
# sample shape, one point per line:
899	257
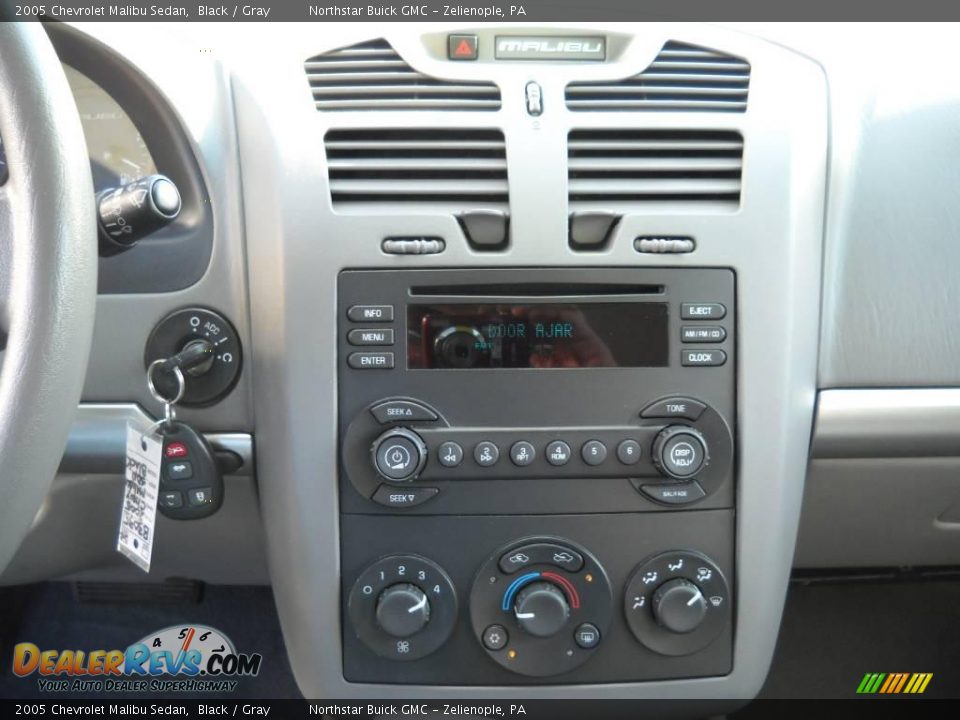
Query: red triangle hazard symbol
463	48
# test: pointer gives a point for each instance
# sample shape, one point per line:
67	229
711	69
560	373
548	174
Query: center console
537	474
534	392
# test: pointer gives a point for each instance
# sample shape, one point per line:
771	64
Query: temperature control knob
679	452
402	610
399	455
679	606
541	609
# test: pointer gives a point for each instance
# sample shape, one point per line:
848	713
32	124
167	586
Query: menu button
370	337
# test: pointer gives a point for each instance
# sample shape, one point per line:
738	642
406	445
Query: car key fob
191	485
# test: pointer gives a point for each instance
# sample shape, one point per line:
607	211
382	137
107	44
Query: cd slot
535	290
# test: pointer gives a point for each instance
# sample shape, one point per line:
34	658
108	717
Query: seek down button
408	497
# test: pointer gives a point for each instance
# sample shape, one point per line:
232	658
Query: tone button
675	407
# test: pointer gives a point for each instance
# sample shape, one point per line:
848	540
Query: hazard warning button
462	47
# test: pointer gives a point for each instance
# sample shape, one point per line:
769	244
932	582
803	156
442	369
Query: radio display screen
542	335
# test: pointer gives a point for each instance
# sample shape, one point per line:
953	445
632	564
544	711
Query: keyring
181	384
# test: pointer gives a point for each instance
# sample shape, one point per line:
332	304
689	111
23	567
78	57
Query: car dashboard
537	338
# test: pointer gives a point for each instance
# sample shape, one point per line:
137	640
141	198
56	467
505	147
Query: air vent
617	170
372	76
682	78
421	169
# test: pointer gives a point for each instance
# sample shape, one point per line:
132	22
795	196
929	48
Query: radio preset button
392	497
628	452
450	454
396	410
558	453
702	311
380	336
593	452
703	333
676	407
486	454
370	360
703	358
370	313
522	453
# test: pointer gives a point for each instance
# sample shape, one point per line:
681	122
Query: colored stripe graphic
903	679
894	683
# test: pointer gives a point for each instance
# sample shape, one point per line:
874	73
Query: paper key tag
139	515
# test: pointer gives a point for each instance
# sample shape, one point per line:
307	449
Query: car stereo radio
536	390
511	444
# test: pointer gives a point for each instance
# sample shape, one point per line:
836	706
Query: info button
370	313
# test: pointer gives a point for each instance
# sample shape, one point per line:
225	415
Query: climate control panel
545	607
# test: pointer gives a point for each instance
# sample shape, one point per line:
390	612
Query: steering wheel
48	273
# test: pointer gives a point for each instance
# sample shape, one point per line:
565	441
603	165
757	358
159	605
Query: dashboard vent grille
615	170
372	76
439	169
681	78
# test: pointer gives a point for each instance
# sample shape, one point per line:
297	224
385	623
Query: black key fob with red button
191	486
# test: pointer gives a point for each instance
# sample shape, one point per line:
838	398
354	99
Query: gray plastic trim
204	109
98	438
882	423
298	245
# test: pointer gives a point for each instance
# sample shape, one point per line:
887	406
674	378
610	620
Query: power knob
679	452
399	455
541	609
679	606
402	610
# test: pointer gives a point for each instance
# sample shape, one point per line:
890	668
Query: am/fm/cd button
703	333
